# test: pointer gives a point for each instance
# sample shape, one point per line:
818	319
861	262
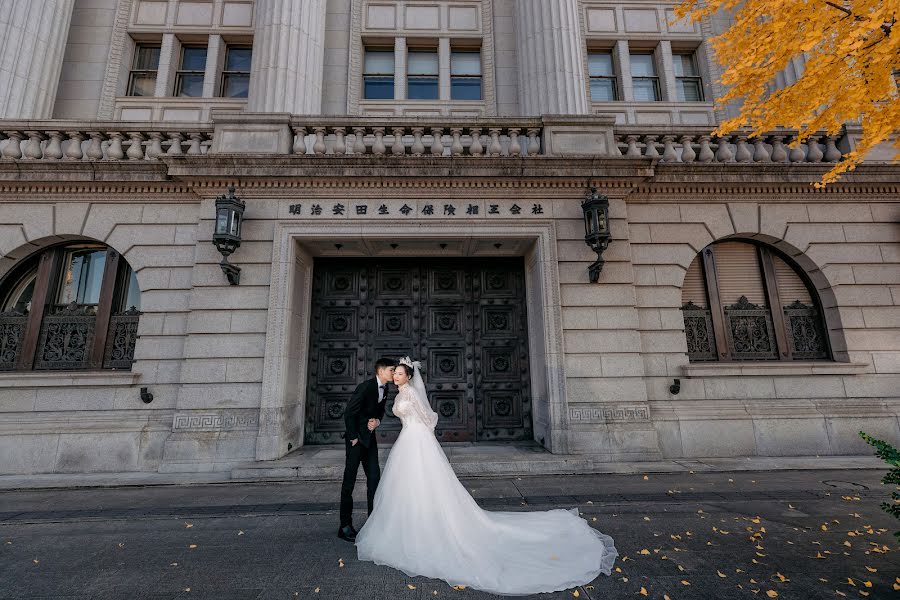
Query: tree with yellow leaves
852	69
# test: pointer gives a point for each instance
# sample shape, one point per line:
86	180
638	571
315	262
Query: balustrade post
456	147
779	154
154	149
73	150
398	148
706	154
650	146
475	149
437	146
417	148
33	150
760	152
175	140
632	149
319	147
797	154
340	146
515	148
669	154
814	153
299	140
832	154
359	142
687	149
378	148
723	152
495	148
53	151
742	153
135	149
95	148
13	148
196	144
114	150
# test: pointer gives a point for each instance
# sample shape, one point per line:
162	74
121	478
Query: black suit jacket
364	405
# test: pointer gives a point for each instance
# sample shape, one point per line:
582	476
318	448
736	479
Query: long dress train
424	522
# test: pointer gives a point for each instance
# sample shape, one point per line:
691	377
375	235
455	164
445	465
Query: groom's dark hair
385	362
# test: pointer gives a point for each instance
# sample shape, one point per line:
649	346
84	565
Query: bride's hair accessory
410	365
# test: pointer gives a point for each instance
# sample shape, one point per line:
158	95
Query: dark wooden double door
463	319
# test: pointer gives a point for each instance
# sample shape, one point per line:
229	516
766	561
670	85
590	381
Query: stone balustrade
100	140
695	144
417	136
312	135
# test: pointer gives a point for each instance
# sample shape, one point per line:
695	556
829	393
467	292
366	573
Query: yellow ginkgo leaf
685	582
721	574
575	593
192	546
871	569
410	586
644	551
771	593
643	591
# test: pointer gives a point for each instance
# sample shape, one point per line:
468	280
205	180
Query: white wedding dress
424	522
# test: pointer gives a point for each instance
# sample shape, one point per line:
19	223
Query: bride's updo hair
410	372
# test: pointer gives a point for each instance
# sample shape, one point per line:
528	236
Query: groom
362	415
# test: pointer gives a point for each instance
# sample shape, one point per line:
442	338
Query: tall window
644	80
465	75
422	75
603	77
189	77
378	74
236	72
71	306
687	76
142	80
743	301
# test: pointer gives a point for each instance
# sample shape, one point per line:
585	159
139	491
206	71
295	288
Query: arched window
743	301
70	306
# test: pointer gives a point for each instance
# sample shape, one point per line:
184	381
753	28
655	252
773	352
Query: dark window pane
142	84
238	59
146	58
82	276
603	89
465	88
193	59
133	292
685	66
189	84
235	85
422	88
378	88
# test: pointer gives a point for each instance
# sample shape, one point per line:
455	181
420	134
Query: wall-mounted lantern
227	234
596	229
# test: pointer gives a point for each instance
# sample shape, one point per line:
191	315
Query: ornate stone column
288	56
32	41
551	58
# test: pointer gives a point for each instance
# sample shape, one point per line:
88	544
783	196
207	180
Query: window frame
723	350
467	77
698	78
435	78
392	75
614	78
654	79
129	90
225	74
180	71
47	264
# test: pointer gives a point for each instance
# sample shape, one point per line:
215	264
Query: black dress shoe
347	533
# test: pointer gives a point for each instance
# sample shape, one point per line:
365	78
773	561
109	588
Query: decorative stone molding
114	64
223	420
592	414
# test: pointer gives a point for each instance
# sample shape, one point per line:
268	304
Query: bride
424	522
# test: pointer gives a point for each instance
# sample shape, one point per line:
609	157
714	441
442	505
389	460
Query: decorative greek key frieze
608	414
219	421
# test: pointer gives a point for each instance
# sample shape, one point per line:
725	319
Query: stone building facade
413	175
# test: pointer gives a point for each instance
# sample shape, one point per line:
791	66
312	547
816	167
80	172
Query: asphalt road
797	534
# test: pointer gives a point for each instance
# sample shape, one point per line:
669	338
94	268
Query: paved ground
797	534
